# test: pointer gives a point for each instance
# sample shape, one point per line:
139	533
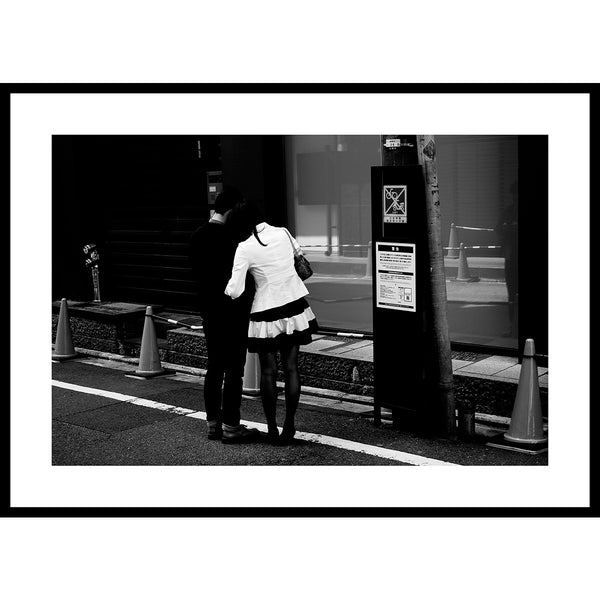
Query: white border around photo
35	118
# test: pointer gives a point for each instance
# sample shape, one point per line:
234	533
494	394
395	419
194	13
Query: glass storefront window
478	181
329	204
329	207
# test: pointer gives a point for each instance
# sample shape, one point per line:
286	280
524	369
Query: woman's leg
268	389
289	360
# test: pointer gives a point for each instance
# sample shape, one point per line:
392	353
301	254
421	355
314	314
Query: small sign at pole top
396	143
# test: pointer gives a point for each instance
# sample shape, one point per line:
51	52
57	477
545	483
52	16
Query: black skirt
275	328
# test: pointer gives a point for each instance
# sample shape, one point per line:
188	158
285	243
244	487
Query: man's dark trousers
226	341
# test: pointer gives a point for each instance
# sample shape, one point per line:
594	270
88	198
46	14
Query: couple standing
251	299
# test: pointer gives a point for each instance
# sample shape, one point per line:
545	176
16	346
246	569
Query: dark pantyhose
268	390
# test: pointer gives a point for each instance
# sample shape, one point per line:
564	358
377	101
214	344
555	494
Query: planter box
117	327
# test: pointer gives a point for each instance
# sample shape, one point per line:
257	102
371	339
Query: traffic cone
453	242
463	267
251	385
149	358
526	424
63	346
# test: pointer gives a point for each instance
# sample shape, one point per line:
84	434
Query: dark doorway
138	198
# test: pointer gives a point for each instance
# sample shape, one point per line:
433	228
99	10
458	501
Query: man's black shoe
215	430
239	435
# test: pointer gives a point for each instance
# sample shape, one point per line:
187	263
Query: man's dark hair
227	199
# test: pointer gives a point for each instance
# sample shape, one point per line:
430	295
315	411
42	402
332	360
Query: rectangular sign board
395	280
394	203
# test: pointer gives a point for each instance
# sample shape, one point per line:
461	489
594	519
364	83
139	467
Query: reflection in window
478	179
329	195
329	207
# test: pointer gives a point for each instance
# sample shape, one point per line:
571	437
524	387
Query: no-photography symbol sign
394	204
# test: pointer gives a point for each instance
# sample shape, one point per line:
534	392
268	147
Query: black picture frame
6	510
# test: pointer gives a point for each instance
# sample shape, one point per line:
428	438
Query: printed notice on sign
395	283
394	204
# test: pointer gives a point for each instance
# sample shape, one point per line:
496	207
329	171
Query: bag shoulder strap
295	250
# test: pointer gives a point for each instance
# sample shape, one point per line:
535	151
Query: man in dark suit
225	322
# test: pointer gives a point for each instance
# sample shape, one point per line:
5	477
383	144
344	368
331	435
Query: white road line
412	459
317	438
178	410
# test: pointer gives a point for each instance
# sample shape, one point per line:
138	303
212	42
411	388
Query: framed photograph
116	422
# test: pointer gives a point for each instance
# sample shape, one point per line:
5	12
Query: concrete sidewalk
495	368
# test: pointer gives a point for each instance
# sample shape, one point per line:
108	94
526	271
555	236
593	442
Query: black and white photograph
247	300
185	334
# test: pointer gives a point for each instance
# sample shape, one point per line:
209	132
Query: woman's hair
244	218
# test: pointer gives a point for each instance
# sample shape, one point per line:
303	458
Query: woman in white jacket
280	318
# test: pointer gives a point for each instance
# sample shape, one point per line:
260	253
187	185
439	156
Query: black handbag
301	263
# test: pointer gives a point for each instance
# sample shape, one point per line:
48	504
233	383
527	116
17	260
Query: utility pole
441	362
401	150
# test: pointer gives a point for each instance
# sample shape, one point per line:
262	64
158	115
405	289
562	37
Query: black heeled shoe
273	436
287	435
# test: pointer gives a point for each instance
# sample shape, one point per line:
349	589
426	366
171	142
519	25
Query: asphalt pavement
102	414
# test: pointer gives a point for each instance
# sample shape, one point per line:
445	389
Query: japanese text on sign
395	285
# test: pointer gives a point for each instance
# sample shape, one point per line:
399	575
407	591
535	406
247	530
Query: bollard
466	422
63	347
453	242
251	385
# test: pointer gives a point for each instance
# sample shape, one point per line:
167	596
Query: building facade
138	198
